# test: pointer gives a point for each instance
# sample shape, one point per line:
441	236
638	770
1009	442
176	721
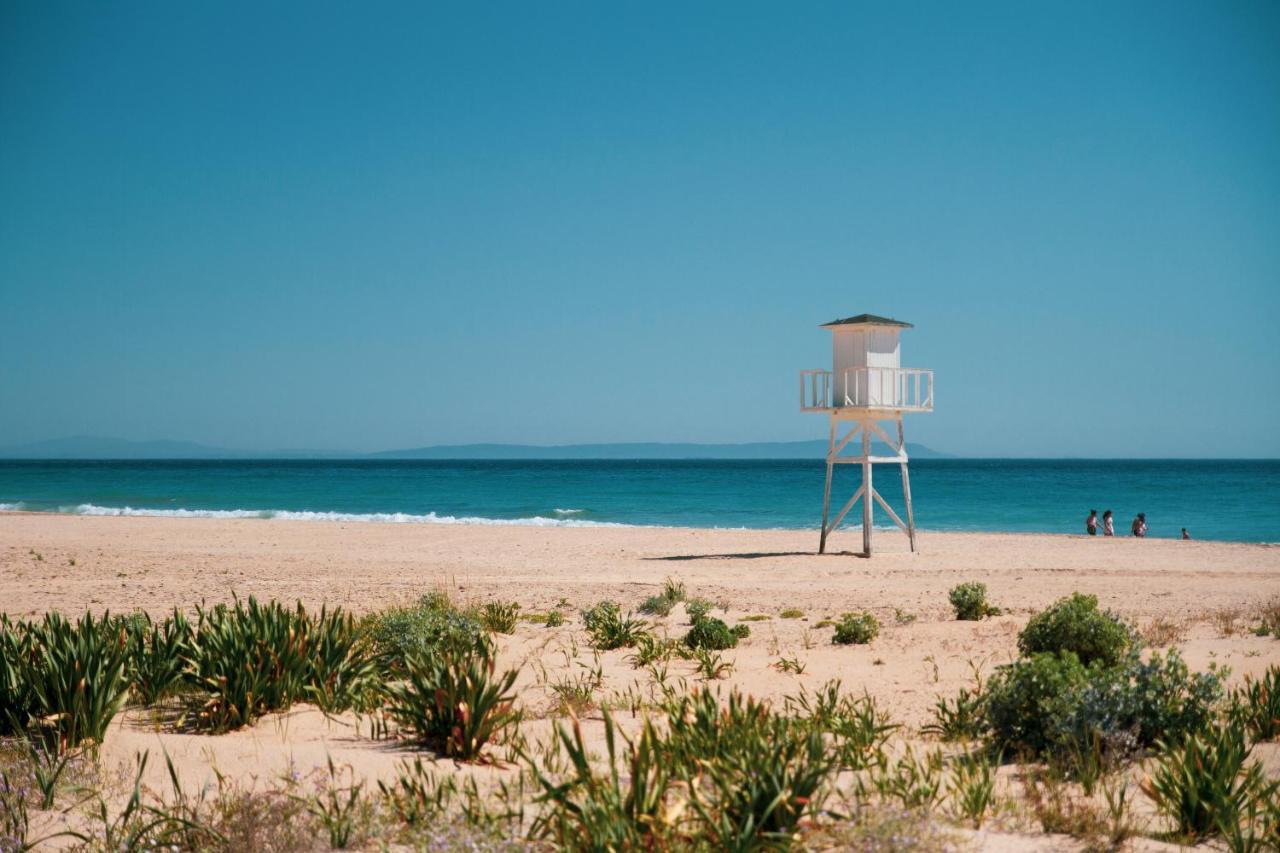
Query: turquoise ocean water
1232	500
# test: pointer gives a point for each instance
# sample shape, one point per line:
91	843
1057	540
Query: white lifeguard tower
866	386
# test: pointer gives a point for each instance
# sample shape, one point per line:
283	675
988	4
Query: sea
1236	500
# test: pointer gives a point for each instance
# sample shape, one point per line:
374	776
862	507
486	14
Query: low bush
656	605
792	613
697	608
714	634
1075	625
554	619
422	628
1051	702
609	629
856	628
970	602
453	701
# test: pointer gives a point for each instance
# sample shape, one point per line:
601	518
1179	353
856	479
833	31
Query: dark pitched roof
867	320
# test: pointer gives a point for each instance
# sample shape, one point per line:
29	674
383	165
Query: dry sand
1200	596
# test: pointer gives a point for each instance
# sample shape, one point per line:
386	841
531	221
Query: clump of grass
609	629
650	650
1162	632
791	613
972	787
554	619
970	602
710	664
577	694
758	617
856	628
454	700
902	617
1269	619
500	617
656	605
673	590
959	718
856	726
157	655
791	665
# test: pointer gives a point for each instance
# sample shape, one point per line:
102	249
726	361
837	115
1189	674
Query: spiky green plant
343	673
157	655
609	629
453	700
248	660
1202	783
856	726
959	718
593	809
500	617
75	679
972	787
1256	705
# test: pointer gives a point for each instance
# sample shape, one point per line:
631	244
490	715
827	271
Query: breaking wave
357	517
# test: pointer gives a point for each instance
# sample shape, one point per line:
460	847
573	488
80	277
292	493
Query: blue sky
385	225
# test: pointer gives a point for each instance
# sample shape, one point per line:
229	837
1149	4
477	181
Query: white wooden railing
907	389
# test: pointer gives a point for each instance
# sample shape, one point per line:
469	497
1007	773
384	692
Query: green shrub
673	590
452	699
713	634
1076	625
1202	784
970	602
68	681
856	628
554	619
157	655
1050	703
1026	700
609	629
961	718
430	624
500	617
792	613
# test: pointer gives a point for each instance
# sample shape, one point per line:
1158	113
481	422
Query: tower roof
867	320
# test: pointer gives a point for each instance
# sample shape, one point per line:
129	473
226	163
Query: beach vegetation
674	590
342	667
650	649
656	605
158	652
696	609
715	634
794	666
791	613
1201	782
756	617
856	629
454	700
431	623
609	629
972	786
962	717
63	682
914	781
970	602
1076	625
856	726
1255	706
554	619
902	617
500	617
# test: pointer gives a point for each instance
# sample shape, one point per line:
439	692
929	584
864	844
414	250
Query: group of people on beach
1138	528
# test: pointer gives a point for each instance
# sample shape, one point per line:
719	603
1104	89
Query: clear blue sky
382	225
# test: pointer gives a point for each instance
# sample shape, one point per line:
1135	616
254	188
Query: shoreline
544	522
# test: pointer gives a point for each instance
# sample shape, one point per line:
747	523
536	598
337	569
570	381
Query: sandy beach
1199	596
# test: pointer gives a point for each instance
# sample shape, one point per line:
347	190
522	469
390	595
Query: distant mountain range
92	447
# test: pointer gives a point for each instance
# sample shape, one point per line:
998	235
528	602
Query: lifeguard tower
866	386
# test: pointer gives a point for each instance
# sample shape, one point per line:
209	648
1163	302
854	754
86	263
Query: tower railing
907	389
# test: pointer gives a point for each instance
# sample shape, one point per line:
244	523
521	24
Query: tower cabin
867	386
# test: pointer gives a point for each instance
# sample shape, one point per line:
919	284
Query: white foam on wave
357	517
559	511
18	507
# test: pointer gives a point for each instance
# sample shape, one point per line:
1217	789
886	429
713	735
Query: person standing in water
1108	524
1185	534
1091	523
1139	527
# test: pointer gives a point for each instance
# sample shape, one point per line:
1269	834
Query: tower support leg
867	490
826	493
906	486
